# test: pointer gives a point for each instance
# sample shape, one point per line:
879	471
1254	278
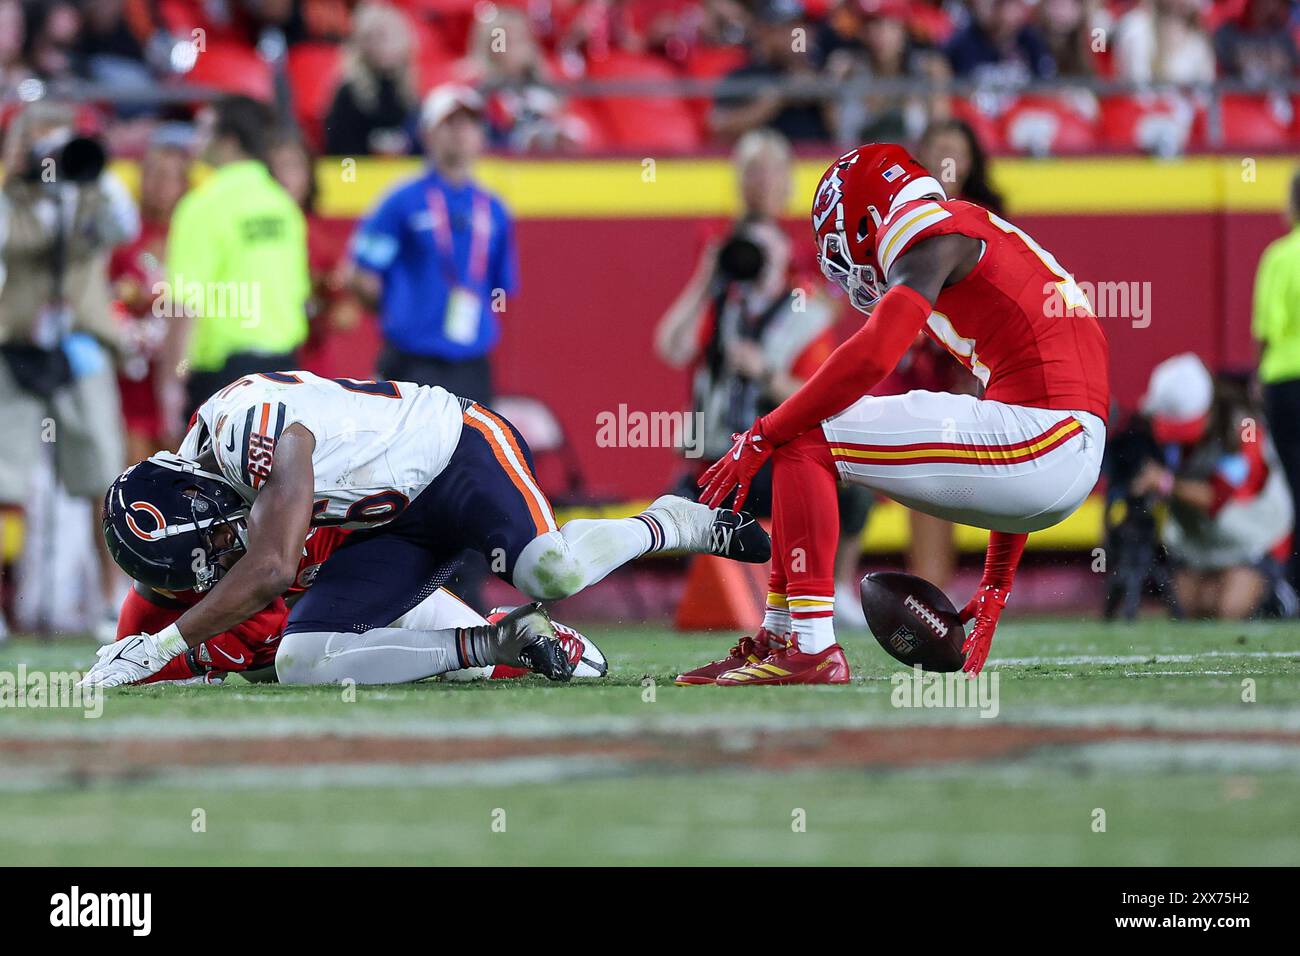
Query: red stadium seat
1257	120
985	126
1160	123
181	16
588	113
1049	125
662	122
313	74
707	62
435	62
710	63
440	7
232	68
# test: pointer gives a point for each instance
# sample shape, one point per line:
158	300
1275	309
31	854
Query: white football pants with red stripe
972	461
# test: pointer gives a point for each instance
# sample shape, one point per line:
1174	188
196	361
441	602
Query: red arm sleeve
139	615
853	369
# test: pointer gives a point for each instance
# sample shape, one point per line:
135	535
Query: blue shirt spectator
446	255
438	261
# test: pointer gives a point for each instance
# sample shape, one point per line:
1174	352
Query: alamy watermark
933	690
49	690
625	428
133	911
1109	300
222	300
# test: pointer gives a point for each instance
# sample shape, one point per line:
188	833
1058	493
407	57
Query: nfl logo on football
929	689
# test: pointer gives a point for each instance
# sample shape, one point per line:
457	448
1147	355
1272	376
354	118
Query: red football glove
984	608
736	469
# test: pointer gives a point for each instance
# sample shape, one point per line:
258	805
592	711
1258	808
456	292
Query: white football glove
133	658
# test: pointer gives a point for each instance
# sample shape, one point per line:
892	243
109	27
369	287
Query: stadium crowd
818	70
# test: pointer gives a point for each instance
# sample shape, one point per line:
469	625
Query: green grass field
1110	745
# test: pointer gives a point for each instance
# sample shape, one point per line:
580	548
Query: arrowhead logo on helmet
854	198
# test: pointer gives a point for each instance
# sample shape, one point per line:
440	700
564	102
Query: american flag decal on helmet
892	173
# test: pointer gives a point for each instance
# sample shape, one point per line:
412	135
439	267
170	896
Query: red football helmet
854	196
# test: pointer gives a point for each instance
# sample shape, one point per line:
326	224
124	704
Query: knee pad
548	570
297	656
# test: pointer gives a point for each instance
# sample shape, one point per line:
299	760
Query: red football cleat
789	665
748	650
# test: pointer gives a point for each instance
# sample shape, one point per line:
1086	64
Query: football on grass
913	620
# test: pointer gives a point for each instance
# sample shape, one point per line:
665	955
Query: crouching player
250	647
1021	458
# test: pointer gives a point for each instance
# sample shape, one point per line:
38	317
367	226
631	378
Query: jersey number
962	349
365	386
1075	297
372	509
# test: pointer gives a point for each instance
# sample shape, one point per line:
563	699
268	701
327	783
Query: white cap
1179	395
447	99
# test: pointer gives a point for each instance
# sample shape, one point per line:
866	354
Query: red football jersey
1019	321
258	634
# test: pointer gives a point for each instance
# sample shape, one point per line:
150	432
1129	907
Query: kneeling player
250	648
1018	460
420	475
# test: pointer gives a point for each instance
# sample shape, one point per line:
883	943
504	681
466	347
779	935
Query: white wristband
169	642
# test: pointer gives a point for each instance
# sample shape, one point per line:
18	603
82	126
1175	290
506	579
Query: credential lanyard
480	234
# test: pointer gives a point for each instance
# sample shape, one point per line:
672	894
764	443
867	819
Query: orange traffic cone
722	595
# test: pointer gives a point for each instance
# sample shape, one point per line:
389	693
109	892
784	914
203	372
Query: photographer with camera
749	335
751	332
1227	511
60	216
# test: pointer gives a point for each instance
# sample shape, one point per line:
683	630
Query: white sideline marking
518	770
1103	757
1140	716
1076	659
1150	756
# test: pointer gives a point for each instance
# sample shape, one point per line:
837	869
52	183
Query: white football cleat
695	527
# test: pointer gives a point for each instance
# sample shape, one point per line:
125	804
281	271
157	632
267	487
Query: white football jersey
378	444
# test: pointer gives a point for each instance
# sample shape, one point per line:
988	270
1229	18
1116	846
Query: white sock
814	621
776	615
381	655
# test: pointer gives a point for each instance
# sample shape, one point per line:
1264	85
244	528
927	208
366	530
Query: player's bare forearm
934	263
277	525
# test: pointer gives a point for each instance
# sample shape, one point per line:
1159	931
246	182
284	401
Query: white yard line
504	772
1076	659
1105	757
660	719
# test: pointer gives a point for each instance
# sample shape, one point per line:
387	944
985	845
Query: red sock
1002	559
806	529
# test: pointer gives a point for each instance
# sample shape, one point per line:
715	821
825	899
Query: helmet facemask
208	567
859	282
